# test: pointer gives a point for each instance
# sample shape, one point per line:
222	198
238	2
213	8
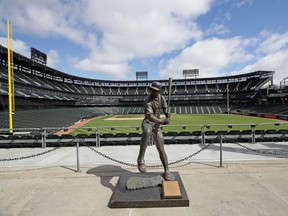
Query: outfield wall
264	115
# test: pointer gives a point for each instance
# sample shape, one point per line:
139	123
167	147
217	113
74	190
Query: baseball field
180	122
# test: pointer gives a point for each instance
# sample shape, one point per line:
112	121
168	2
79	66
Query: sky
113	39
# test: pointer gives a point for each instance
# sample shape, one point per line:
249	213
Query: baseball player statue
153	104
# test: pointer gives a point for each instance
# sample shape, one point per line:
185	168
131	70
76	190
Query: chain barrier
281	154
152	166
29	156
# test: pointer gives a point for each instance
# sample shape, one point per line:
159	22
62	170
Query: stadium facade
39	86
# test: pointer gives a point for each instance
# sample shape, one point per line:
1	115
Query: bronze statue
153	104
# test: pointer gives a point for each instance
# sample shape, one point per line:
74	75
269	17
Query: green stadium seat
232	136
196	137
106	139
170	137
210	136
183	137
245	136
283	135
121	139
270	135
134	138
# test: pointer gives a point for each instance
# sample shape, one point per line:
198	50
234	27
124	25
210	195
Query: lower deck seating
172	137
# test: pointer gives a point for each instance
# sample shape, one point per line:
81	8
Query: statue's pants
154	130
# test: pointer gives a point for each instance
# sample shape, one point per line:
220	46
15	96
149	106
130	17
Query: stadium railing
128	135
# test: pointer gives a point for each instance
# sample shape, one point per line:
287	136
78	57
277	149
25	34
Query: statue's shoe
142	168
168	176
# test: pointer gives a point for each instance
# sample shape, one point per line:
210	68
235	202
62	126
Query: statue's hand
165	121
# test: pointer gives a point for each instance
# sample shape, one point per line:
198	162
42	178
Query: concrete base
145	198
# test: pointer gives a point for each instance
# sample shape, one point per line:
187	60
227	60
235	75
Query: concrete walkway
247	184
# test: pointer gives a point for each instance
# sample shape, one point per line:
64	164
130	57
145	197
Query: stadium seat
67	140
183	137
270	135
52	140
196	137
170	137
222	132
82	138
259	135
210	136
24	141
106	139
283	135
121	139
134	138
4	142
221	135
232	136
245	136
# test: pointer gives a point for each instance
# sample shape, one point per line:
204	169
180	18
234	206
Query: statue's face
153	93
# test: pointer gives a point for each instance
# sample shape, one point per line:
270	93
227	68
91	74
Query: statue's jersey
153	106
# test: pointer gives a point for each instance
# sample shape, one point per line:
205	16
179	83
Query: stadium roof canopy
27	64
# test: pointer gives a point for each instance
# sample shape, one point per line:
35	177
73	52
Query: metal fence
131	135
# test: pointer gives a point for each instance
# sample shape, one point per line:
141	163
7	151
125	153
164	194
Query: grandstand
40	89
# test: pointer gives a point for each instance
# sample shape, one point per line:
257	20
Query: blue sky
112	39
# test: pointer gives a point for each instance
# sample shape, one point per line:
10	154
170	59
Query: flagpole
9	78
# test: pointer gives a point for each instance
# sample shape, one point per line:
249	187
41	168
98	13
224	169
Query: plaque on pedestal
170	190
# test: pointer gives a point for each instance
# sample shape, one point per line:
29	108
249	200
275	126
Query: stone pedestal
146	197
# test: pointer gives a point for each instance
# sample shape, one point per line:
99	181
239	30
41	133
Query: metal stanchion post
44	138
77	155
253	135
97	138
203	135
221	150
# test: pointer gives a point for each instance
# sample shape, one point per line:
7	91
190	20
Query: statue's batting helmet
156	86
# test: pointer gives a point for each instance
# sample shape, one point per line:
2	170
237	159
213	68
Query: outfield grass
179	122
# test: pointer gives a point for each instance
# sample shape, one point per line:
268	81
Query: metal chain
263	152
152	166
192	155
110	158
29	156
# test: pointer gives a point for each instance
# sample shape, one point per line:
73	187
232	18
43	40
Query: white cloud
53	58
115	32
277	62
142	29
273	42
210	56
217	57
117	71
236	4
17	46
46	18
216	29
